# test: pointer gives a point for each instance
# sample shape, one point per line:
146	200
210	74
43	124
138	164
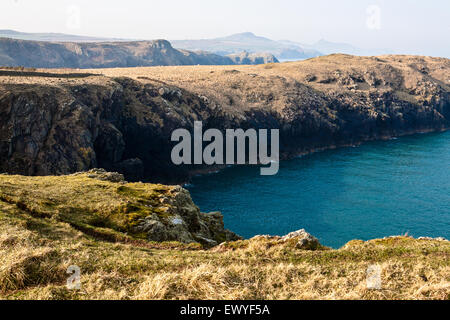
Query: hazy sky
407	26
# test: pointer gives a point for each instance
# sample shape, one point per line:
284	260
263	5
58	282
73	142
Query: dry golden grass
275	86
37	250
102	208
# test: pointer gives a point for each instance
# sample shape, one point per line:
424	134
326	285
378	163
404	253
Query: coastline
290	156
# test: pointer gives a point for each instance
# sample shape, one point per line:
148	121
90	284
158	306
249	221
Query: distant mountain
327	47
39	54
53	37
236	44
250	43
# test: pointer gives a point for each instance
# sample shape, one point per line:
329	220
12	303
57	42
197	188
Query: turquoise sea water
378	189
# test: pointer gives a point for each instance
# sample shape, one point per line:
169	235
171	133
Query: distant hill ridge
223	46
41	54
53	37
248	42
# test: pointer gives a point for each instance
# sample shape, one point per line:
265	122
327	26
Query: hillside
53	37
233	44
112	209
251	43
39	54
61	121
86	220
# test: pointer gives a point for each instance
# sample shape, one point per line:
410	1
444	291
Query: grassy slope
40	237
274	85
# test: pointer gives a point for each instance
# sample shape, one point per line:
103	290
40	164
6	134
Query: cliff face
253	58
122	120
38	54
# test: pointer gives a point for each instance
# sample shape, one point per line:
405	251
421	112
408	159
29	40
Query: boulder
305	241
298	239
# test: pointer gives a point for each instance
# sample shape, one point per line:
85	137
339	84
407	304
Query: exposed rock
433	239
214	223
133	169
305	241
310	78
206	242
110	140
103	175
155	229
253	58
263	237
184	222
103	205
299	239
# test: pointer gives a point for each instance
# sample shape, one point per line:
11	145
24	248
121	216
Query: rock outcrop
253	58
185	223
103	205
299	239
55	122
179	219
304	240
38	54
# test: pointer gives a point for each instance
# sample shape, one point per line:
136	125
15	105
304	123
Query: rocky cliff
253	58
102	204
40	54
58	122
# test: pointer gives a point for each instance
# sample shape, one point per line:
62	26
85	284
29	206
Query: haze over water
379	189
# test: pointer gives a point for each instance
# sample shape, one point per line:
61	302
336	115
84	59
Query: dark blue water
375	190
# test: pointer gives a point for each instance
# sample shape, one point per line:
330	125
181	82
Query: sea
378	189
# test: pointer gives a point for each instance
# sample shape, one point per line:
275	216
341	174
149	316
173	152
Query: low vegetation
84	201
50	223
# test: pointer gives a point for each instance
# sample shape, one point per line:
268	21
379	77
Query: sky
402	26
